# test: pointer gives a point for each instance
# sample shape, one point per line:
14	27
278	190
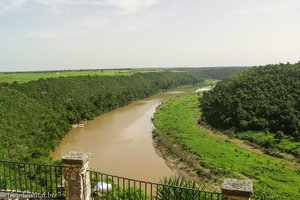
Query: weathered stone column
77	178
233	189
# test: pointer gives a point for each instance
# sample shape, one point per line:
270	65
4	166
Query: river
121	141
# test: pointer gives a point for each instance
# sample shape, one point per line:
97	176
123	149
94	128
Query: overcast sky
74	34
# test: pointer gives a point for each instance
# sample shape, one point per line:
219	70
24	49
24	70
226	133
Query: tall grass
177	119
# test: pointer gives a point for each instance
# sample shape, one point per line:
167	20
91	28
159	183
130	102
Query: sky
79	34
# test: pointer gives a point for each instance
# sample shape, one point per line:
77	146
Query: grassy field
272	176
22	77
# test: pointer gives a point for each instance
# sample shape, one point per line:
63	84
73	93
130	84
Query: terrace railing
31	180
106	186
75	181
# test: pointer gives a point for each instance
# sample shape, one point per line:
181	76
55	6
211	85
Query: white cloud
99	22
283	6
131	5
10	5
67	2
123	6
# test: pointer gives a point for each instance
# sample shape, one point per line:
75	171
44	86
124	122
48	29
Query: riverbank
125	134
35	116
211	158
121	141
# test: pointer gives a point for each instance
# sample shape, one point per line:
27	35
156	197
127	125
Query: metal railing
36	180
46	181
106	186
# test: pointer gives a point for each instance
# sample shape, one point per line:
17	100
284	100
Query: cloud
122	6
67	2
284	6
131	5
10	5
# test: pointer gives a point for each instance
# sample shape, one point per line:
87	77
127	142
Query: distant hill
265	98
219	73
203	72
22	77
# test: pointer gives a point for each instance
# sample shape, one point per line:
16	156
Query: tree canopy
34	116
264	98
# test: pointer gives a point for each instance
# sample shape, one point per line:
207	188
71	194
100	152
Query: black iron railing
36	180
46	181
106	186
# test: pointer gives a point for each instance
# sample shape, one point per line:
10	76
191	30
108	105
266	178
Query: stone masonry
77	178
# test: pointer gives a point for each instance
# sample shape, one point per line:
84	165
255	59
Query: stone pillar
77	178
233	189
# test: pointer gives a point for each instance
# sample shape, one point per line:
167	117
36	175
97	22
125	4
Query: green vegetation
32	178
259	99
218	73
34	116
273	144
273	177
37	108
205	73
28	129
193	191
121	193
168	188
22	77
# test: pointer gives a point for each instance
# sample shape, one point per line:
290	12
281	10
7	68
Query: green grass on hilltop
272	176
22	77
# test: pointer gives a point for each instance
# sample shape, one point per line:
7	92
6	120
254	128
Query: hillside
265	98
219	73
211	157
27	127
34	116
203	72
22	77
37	109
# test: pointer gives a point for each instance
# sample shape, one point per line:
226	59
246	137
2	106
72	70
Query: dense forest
219	73
265	98
34	116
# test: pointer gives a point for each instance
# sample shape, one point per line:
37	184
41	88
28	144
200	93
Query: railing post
77	177
233	189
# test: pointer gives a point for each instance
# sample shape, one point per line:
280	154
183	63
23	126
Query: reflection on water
121	141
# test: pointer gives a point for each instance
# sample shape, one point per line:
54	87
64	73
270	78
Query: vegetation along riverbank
211	158
37	114
37	111
260	105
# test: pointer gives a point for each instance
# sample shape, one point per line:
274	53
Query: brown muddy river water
121	141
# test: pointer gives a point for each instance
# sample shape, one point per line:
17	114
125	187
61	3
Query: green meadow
22	77
272	177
